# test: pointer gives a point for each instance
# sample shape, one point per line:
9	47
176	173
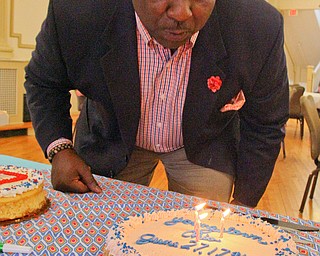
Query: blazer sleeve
261	121
48	87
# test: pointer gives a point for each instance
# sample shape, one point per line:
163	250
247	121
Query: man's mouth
176	35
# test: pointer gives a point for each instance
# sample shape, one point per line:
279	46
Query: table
77	224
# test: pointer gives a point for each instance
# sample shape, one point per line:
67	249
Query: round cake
172	233
21	193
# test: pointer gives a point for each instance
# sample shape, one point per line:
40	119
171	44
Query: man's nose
179	10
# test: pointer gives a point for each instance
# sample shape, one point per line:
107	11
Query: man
164	80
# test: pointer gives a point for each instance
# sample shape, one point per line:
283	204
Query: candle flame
200	206
203	215
226	212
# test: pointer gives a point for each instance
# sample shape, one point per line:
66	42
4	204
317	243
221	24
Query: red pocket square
236	103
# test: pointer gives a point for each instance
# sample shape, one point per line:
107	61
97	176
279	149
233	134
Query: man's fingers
76	186
80	187
94	187
90	182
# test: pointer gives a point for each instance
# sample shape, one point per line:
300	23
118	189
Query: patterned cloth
163	85
77	224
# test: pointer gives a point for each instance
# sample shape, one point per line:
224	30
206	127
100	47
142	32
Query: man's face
173	22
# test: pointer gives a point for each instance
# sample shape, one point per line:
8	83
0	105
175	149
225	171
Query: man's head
173	22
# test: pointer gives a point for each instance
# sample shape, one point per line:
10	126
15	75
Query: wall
302	35
295	4
20	22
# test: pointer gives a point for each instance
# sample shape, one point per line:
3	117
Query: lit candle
224	214
197	226
197	219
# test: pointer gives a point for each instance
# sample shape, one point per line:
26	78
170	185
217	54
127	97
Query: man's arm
262	117
47	86
48	98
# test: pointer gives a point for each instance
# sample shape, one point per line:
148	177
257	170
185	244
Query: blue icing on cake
171	233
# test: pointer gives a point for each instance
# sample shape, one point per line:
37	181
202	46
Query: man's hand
71	174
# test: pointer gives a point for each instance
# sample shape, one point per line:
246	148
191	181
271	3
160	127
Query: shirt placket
162	96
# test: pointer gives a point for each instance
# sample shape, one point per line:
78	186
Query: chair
310	113
283	129
296	91
80	98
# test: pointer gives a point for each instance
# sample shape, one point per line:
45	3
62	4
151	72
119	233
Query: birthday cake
173	233
21	193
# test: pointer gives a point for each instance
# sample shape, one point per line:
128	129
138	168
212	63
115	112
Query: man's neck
173	51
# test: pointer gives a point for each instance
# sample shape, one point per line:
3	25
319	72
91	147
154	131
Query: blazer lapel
208	55
120	66
209	58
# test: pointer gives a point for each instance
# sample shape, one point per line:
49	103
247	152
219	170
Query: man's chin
172	44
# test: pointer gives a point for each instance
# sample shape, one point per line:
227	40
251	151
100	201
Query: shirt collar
150	41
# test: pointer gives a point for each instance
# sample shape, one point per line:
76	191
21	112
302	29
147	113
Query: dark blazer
90	45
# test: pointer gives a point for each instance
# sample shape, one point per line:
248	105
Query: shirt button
162	96
159	125
156	147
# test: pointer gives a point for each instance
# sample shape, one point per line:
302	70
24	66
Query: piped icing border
17	180
117	246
